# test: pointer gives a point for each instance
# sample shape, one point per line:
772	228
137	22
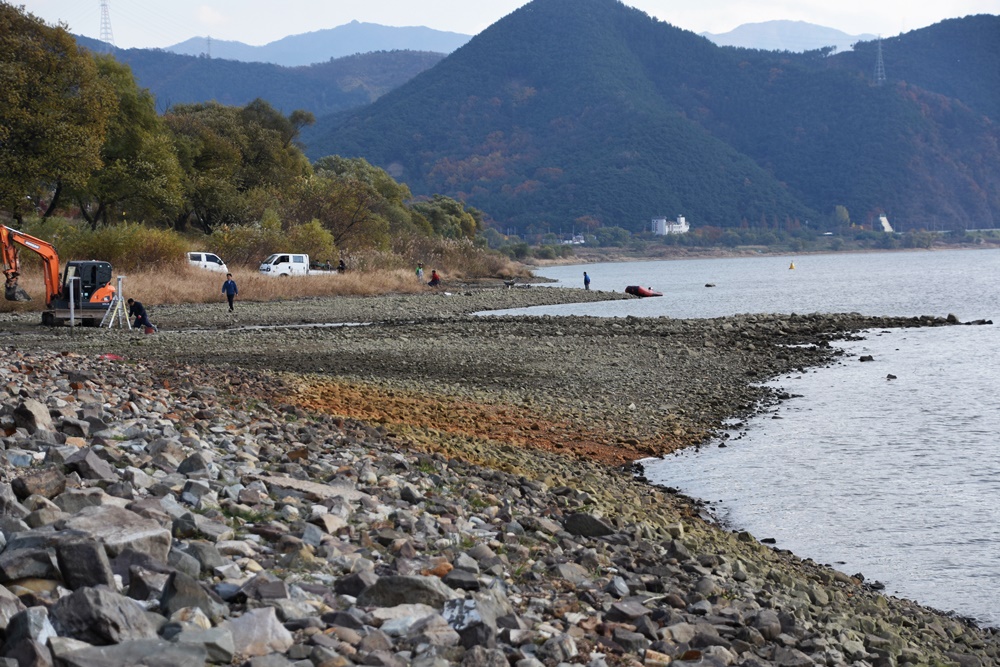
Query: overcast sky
158	23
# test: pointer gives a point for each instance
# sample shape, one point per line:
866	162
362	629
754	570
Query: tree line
79	137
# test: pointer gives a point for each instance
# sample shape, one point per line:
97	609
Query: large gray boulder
395	590
98	616
118	529
138	653
32	416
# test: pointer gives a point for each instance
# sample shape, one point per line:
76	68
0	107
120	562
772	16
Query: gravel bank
477	472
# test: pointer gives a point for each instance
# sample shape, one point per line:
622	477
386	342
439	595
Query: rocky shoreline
429	488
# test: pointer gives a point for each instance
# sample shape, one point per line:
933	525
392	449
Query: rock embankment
169	521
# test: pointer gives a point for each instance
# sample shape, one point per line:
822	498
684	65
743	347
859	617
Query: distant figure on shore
435	279
230	290
420	272
341	266
586	280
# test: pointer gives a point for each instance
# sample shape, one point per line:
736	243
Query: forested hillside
958	58
586	112
329	87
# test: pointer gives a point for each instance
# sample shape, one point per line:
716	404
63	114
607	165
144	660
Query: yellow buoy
791	266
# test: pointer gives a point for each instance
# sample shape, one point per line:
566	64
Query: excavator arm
10	239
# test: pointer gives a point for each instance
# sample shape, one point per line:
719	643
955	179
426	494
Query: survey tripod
117	311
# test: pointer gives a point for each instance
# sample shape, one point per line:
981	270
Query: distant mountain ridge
572	112
329	87
794	36
323	45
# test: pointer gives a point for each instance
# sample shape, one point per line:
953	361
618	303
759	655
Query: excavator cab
92	285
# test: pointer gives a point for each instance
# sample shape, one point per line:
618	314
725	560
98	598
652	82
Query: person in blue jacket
586	280
230	290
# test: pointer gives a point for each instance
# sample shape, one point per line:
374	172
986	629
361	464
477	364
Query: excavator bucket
15	293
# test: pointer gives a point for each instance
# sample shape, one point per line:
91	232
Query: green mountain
323	88
571	112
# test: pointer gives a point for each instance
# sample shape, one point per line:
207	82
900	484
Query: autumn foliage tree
140	177
236	161
54	110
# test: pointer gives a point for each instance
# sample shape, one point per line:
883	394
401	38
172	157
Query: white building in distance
884	221
662	226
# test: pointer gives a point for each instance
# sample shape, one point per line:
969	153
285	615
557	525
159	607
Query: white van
207	260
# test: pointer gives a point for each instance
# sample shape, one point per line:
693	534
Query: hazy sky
161	23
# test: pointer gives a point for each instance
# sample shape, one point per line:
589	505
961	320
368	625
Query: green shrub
249	245
127	246
312	238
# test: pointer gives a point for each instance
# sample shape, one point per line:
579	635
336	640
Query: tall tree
347	207
387	197
236	160
141	176
54	110
449	217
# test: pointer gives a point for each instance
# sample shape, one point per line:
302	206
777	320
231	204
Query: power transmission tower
106	35
879	66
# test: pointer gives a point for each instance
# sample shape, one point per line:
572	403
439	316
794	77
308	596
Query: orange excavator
86	283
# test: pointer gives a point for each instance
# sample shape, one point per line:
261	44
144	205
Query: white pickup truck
292	264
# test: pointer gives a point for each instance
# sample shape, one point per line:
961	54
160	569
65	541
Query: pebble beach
399	480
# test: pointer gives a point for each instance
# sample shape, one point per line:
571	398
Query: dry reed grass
187	284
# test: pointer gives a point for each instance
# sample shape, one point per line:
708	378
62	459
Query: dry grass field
186	284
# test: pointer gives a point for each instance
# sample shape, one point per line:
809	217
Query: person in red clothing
435	279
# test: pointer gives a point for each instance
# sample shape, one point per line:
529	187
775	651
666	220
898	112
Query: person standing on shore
230	290
586	280
420	272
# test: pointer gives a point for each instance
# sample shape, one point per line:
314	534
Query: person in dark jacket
586	280
230	290
138	311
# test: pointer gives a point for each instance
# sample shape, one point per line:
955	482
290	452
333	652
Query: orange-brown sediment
515	425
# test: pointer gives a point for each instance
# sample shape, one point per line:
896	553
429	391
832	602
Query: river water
897	479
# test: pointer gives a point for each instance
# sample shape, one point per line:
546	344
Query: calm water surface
963	282
896	479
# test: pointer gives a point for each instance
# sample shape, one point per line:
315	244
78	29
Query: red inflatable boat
642	291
